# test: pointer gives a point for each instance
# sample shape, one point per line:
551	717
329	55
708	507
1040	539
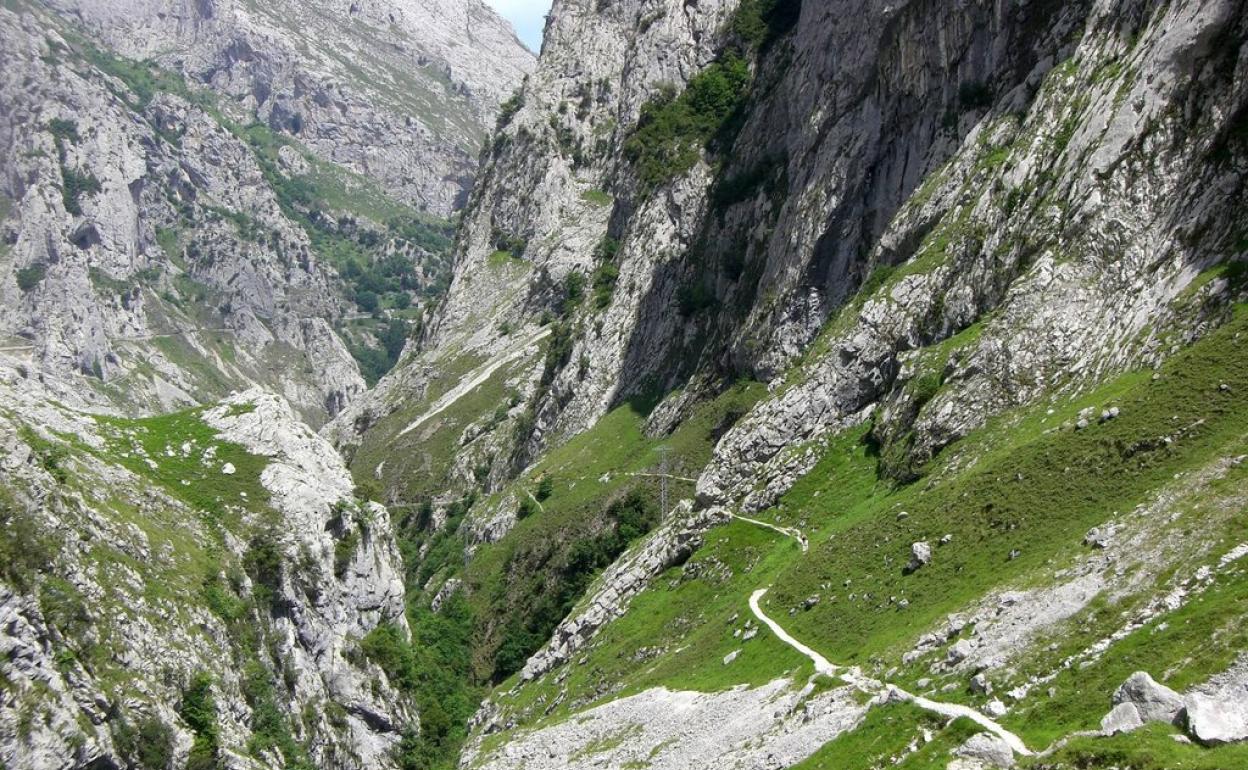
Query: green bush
30	277
74	185
264	564
64	130
608	249
695	299
270	730
605	278
672	129
558	353
759	23
148	745
545	488
926	387
25	550
344	552
199	710
508	109
573	292
975	96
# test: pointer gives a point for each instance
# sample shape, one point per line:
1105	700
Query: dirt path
792	532
474	380
855	677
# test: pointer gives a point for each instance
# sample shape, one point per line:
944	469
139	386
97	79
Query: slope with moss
177	591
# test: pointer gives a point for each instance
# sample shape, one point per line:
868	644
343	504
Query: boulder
1154	702
1123	718
920	556
1099	537
960	651
1213	721
987	750
980	685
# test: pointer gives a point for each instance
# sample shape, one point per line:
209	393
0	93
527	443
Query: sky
527	16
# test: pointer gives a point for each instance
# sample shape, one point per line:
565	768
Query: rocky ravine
918	216
189	586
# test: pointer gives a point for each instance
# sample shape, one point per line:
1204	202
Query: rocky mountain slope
818	385
402	92
949	291
168	237
200	589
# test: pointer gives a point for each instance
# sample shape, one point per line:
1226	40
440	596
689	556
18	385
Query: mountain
806	385
893	310
402	91
195	201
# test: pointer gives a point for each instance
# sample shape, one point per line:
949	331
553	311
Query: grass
417	464
885	737
597	198
1034	487
1037	494
184	456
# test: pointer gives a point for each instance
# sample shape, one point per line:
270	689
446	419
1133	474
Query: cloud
527	16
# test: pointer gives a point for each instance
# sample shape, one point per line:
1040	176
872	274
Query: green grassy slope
1028	484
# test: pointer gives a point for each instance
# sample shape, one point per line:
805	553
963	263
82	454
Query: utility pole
663	480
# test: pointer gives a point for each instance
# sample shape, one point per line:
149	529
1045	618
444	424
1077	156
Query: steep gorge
905	336
918	225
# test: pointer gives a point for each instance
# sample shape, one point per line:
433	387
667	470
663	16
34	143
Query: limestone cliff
192	588
946	239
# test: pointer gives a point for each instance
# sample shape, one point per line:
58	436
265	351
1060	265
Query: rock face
1212	721
1153	702
137	578
909	218
402	92
967	307
194	223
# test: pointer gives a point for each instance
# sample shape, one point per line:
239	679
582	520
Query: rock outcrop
141	576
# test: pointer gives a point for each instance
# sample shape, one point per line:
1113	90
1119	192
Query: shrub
148	745
608	249
74	185
692	300
367	301
545	488
64	130
24	548
263	562
30	277
673	129
975	96
573	292
344	552
759	23
507	111
199	710
605	278
926	387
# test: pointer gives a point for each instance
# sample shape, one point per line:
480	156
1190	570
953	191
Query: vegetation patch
674	128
